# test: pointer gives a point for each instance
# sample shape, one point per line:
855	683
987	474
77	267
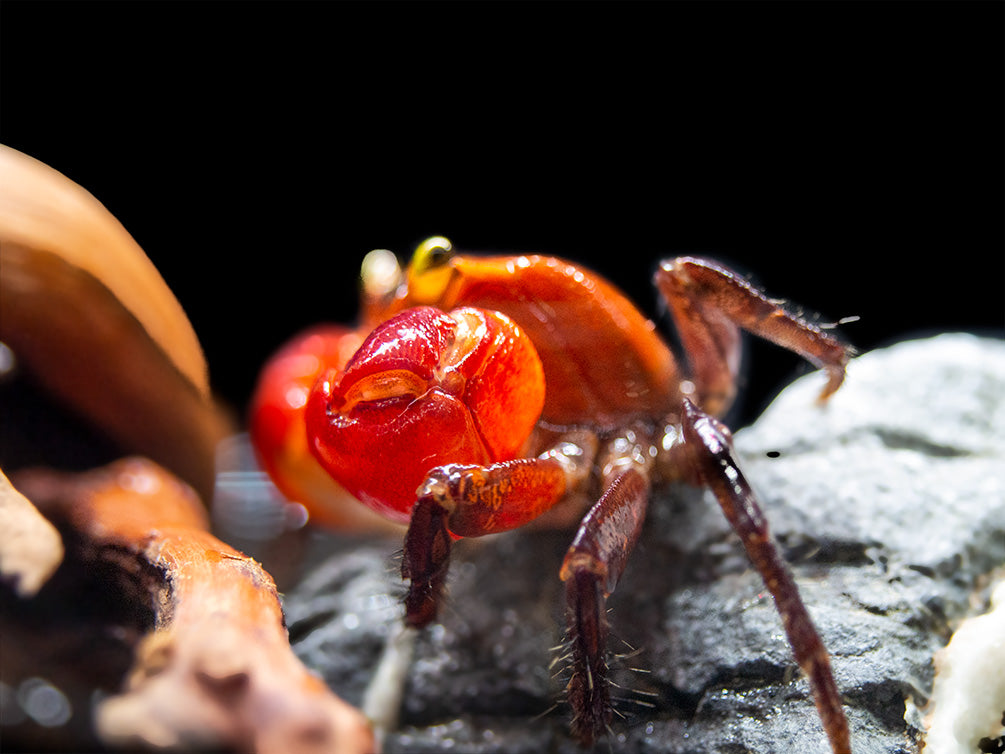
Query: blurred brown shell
86	311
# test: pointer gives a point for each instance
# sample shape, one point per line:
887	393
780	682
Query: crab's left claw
426	388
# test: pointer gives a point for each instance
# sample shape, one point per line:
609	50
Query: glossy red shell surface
425	389
604	361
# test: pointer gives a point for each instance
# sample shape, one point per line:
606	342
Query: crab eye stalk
380	275
425	389
429	271
434	252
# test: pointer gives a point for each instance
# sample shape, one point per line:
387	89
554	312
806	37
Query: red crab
492	387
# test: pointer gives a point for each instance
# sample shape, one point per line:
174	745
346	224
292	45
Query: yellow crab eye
432	253
429	271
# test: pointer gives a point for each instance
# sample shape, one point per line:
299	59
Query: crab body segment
604	362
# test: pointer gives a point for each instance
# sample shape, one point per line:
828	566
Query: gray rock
889	503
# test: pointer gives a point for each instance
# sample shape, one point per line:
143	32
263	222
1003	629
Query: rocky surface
889	504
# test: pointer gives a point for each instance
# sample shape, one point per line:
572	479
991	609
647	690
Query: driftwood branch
217	669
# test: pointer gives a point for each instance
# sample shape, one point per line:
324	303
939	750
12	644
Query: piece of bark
88	314
30	547
216	670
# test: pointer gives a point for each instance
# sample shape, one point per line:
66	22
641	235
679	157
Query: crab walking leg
469	501
709	304
712	460
425	561
591	570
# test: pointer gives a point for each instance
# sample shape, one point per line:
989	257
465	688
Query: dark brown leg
709	450
709	304
468	501
591	570
425	561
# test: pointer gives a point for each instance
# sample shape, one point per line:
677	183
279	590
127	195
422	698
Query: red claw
425	389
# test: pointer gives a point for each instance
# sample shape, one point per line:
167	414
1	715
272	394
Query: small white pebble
968	698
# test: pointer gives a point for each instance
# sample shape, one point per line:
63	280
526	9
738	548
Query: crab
491	388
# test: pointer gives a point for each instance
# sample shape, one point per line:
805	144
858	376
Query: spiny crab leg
710	302
591	570
469	500
710	452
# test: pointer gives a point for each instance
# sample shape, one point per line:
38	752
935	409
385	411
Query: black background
848	155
